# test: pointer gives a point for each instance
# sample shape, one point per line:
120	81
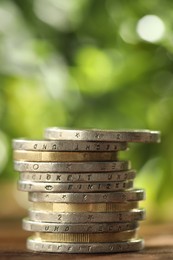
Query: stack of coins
82	197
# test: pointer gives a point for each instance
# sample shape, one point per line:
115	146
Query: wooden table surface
158	240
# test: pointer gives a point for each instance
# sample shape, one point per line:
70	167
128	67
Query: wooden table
158	240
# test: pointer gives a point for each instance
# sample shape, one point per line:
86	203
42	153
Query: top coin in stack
146	136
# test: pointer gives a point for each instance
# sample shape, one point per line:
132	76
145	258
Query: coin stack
82	197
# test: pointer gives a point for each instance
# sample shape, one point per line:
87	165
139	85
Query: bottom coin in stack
54	247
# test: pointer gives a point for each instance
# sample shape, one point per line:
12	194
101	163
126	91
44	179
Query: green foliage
81	64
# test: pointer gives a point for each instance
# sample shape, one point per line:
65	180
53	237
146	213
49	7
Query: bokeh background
88	64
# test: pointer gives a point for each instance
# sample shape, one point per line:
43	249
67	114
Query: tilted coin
86	238
108	197
81	248
78	177
36	156
67	145
77	228
90	207
146	136
74	187
86	217
71	166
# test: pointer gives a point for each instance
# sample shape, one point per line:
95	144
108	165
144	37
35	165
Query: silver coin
88	217
66	145
71	166
120	196
78	177
146	136
117	247
73	187
77	228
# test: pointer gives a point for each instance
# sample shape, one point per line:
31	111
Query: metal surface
87	217
77	228
78	177
36	156
90	207
67	145
86	238
74	187
100	197
118	247
145	136
71	166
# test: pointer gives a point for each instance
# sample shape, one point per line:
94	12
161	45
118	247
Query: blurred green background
88	64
